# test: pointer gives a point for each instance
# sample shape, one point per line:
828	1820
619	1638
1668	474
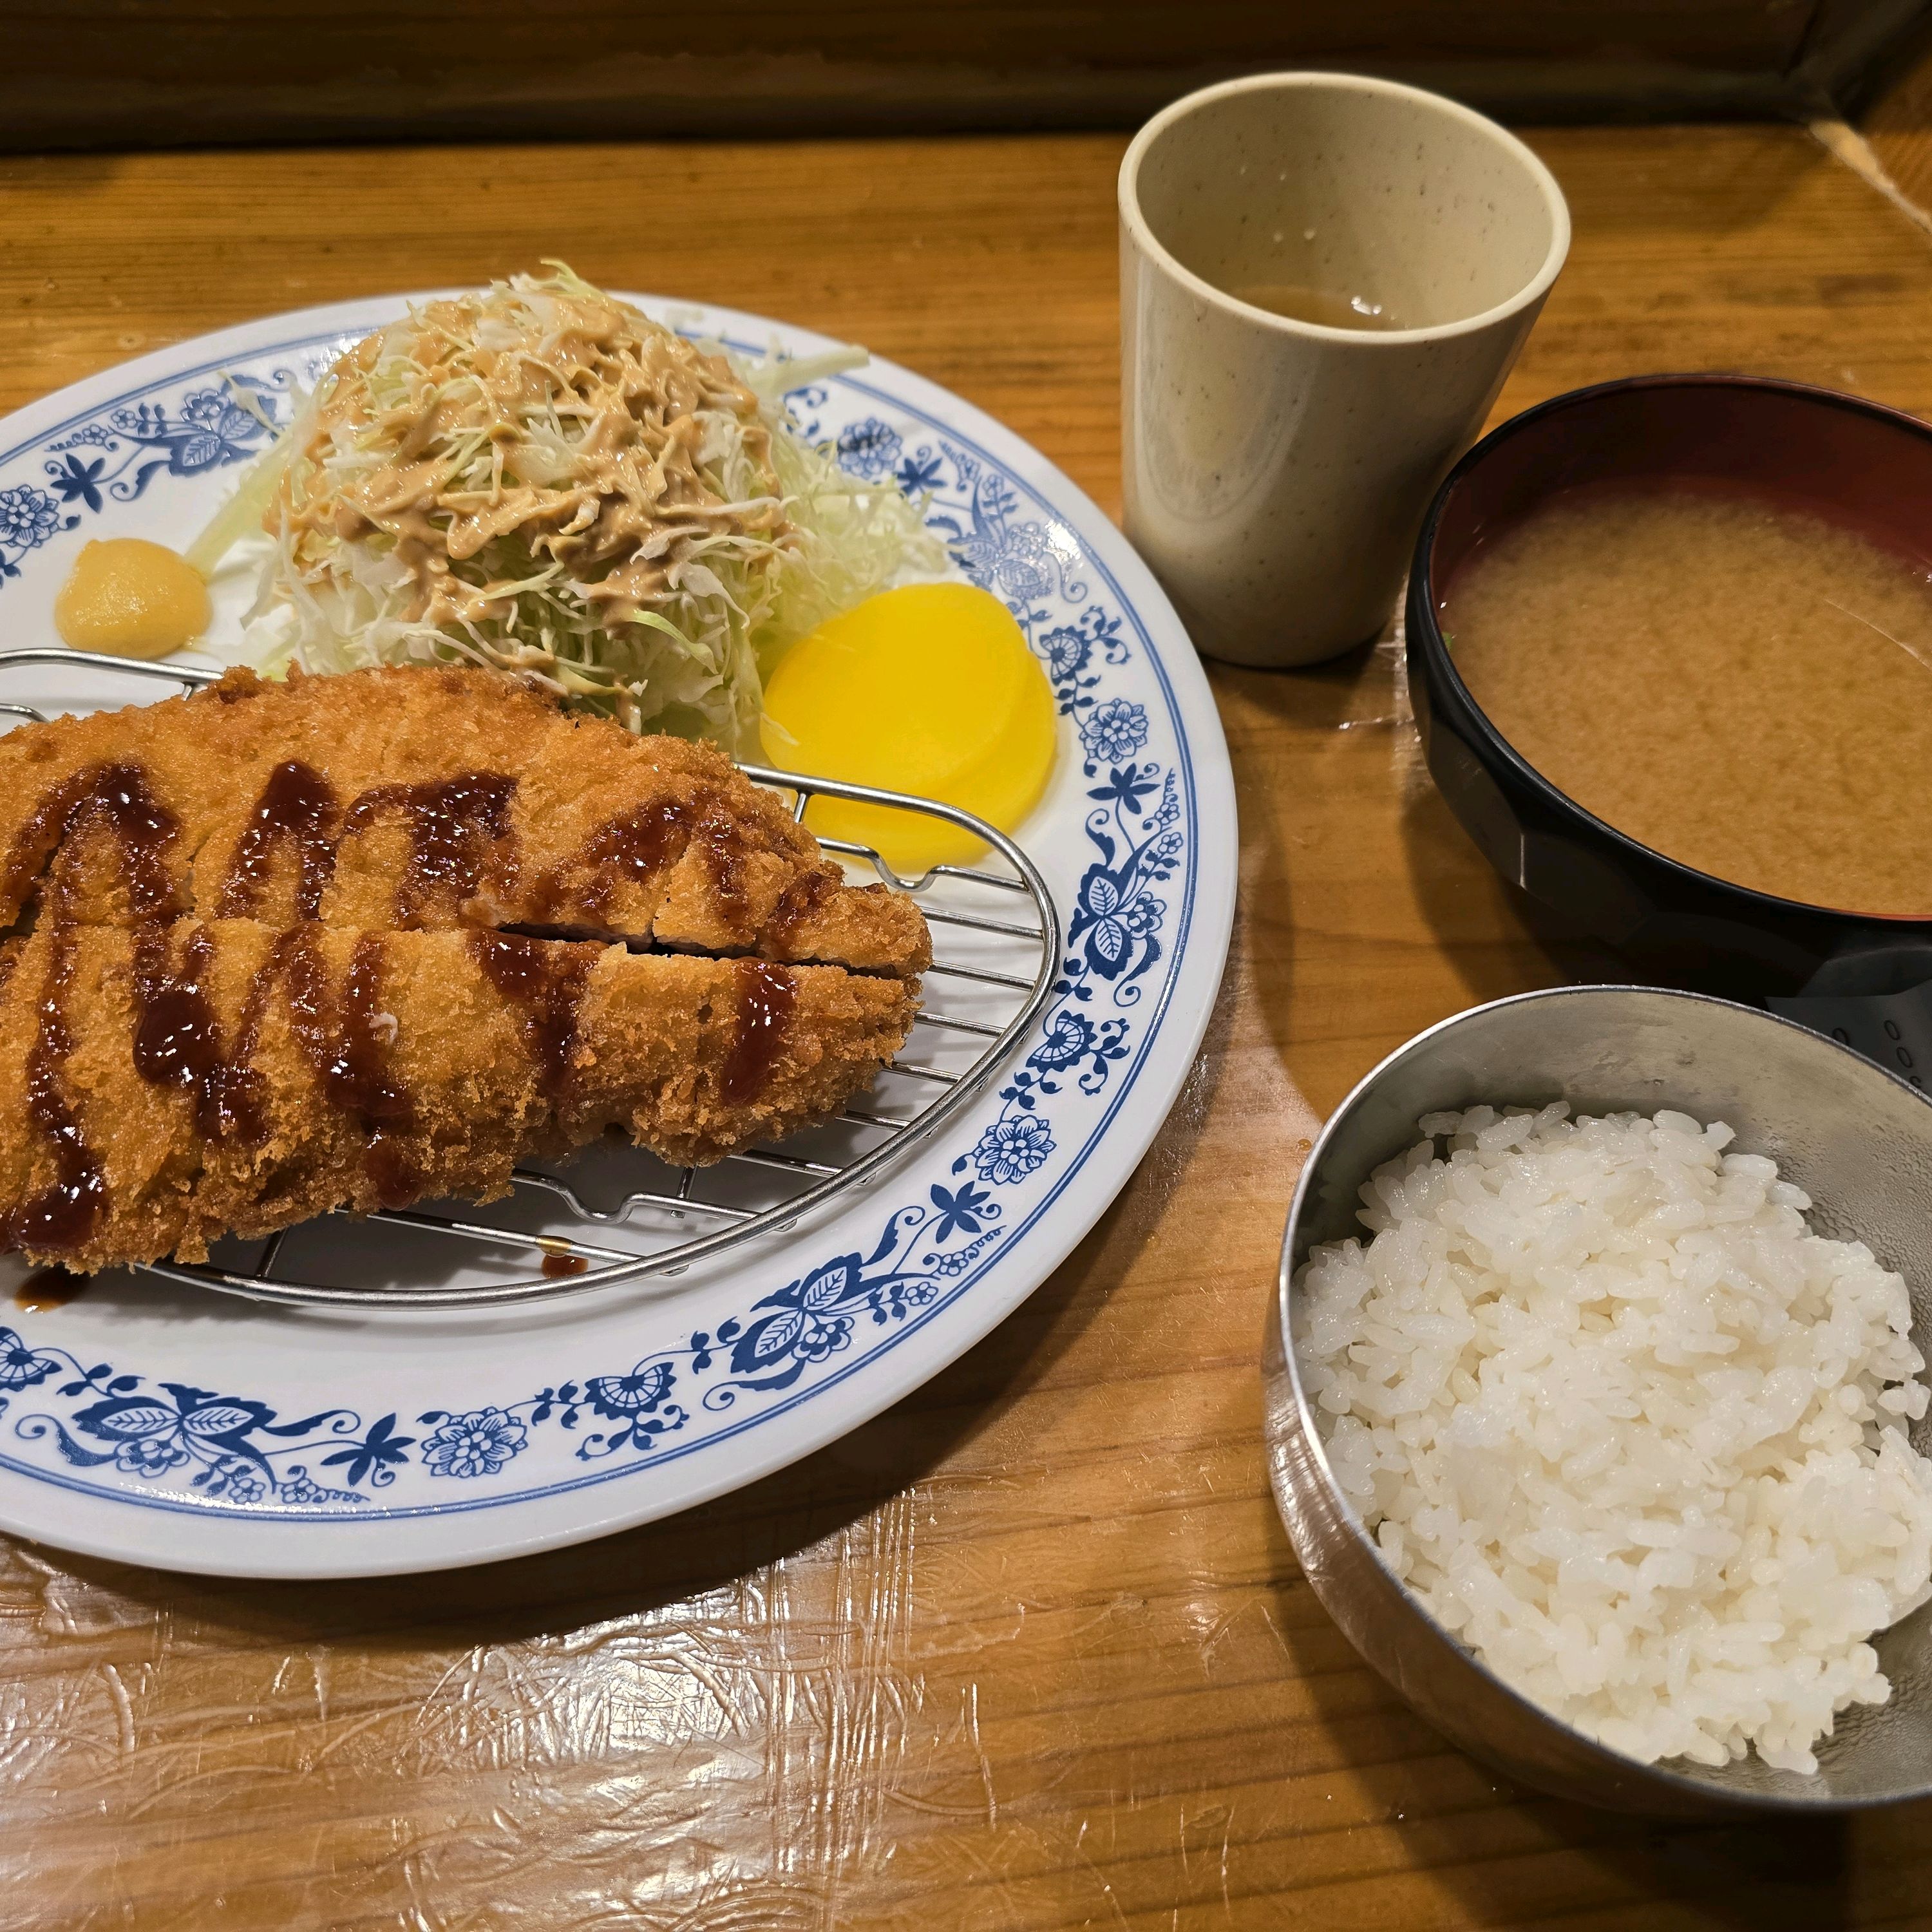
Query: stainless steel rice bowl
1858	1140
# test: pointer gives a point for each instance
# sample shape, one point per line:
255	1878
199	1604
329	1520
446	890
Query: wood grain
1031	1650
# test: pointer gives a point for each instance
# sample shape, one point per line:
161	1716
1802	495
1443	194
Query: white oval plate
147	1422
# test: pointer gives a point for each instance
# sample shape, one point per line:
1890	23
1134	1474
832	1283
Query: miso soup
1741	686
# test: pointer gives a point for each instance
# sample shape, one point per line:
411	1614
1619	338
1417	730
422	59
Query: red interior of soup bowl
1854	463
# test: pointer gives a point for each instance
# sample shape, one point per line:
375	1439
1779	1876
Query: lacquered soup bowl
1854	463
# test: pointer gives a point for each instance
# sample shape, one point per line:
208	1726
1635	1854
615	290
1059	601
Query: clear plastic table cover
1031	1650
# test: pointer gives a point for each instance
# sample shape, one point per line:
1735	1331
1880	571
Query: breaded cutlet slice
287	1073
430	797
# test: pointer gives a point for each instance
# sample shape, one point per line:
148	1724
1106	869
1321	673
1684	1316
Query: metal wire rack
615	1213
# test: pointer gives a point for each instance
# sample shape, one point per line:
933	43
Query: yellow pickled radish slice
929	688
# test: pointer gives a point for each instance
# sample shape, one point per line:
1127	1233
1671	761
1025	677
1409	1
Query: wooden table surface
1031	1650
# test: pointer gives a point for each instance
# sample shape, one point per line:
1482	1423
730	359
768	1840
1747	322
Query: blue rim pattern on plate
202	1451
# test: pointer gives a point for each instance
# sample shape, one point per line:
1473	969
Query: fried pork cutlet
279	1075
391	961
427	798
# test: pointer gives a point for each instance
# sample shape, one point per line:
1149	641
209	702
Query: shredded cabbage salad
540	479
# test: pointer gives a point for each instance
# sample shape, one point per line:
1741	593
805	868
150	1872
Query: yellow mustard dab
131	598
929	688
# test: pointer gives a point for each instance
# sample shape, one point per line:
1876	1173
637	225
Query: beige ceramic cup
1276	470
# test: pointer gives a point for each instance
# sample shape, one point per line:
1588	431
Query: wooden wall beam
86	73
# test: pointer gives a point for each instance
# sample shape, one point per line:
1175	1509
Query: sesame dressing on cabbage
540	479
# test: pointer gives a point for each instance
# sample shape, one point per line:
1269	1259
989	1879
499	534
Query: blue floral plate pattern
145	1423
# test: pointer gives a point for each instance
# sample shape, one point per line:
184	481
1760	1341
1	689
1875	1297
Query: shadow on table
637	1572
1512	1856
1466	902
1369	911
1749	1877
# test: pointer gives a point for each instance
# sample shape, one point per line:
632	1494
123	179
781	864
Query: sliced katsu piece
432	797
351	942
161	1086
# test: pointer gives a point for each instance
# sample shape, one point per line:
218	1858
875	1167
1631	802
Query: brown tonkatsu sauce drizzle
640	846
343	1042
803	900
544	980
356	1070
115	798
450	822
767	995
49	1289
65	1212
297	807
342	1037
577	895
720	838
178	1037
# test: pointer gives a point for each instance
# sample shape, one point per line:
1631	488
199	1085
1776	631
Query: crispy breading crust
351	942
653	840
651	1052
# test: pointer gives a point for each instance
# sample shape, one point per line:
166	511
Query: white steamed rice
1627	1427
